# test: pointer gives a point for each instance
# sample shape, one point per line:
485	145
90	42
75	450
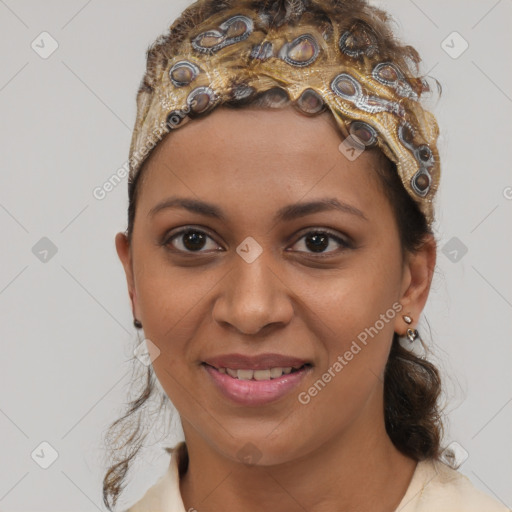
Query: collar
165	495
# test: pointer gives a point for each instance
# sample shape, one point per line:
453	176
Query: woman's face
322	284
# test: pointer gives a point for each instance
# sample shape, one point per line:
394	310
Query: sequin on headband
235	56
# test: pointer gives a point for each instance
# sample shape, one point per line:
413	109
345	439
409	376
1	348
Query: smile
261	374
256	387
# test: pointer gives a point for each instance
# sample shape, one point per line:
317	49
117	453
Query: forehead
253	151
259	130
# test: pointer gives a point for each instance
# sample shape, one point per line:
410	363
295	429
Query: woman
278	255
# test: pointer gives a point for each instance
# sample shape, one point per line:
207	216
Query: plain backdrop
66	323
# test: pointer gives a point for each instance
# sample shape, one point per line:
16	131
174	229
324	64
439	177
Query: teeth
267	374
261	375
245	374
275	372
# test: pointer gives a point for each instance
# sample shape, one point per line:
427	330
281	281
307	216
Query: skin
333	453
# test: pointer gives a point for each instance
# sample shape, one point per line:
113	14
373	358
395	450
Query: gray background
66	328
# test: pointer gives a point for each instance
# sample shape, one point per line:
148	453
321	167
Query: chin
260	450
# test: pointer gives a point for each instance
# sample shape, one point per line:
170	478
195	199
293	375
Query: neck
359	469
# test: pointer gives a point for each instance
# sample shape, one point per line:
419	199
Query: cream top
434	487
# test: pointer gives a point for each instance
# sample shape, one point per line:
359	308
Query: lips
259	362
256	380
255	392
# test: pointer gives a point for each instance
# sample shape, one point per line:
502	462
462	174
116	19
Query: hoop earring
137	324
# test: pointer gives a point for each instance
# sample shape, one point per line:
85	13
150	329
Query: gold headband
233	55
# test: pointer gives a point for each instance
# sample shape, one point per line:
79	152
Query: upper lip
259	362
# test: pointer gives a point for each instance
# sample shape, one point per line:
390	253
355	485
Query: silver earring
407	341
412	334
407	319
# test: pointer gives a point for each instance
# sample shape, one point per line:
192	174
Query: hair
412	384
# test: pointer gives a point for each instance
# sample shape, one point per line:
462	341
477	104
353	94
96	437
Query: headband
234	55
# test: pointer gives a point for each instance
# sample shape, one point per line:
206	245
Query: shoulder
436	487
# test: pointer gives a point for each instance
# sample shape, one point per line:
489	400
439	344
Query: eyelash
317	231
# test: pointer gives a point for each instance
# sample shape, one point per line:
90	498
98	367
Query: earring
411	334
137	324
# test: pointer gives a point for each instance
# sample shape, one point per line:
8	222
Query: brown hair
412	384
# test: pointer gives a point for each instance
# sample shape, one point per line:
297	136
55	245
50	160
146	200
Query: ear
125	255
417	278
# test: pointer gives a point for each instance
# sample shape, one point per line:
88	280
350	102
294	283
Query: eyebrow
287	213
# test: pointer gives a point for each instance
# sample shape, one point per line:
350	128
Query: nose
253	298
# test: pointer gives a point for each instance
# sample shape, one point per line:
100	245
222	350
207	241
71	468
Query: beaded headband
234	55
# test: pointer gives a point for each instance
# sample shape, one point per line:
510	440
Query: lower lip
255	392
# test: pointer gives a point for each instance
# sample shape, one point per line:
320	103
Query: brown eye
318	241
189	240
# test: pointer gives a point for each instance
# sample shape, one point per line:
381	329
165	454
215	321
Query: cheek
174	305
351	313
356	347
165	292
345	301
